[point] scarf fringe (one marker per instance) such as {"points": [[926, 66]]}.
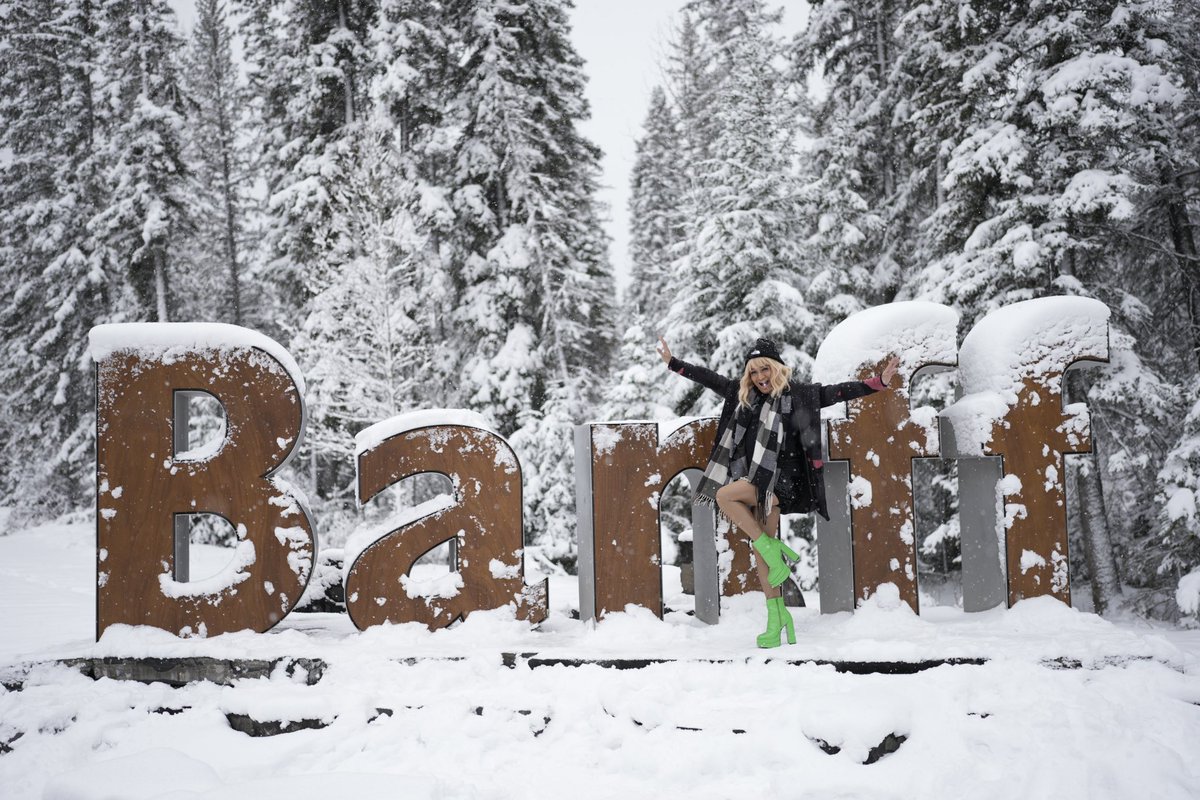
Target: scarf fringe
{"points": [[719, 516], [699, 499]]}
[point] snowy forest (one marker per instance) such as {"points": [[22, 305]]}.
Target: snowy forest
{"points": [[398, 192]]}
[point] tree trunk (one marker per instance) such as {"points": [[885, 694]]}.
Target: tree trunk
{"points": [[1093, 517], [1098, 550], [1185, 252], [348, 67], [501, 203], [883, 33], [231, 254], [160, 286]]}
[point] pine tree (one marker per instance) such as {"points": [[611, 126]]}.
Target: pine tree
{"points": [[413, 129], [220, 168], [842, 214], [94, 210], [59, 277], [740, 279], [309, 70], [1179, 523], [657, 191], [1174, 256], [531, 262], [657, 194], [360, 340], [1035, 191], [372, 337], [139, 101], [1041, 192], [691, 86], [703, 63], [854, 201]]}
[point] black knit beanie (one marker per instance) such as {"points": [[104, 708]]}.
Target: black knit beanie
{"points": [[764, 348]]}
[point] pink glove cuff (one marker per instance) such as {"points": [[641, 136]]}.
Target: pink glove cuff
{"points": [[876, 383]]}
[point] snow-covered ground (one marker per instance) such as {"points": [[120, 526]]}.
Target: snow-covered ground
{"points": [[723, 720]]}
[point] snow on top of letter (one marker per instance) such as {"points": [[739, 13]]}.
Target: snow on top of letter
{"points": [[371, 437], [1031, 339], [170, 341], [917, 331]]}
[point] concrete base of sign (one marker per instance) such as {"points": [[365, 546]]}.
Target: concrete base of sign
{"points": [[178, 672]]}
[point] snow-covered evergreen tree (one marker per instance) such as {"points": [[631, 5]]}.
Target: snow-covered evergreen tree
{"points": [[656, 208], [844, 226], [139, 101], [1039, 177], [697, 69], [740, 279], [853, 200], [697, 72], [1179, 522], [639, 388], [496, 163], [361, 341], [656, 211], [691, 87], [214, 285], [412, 130], [1176, 206], [1040, 193], [536, 314], [56, 273], [373, 338], [309, 69]]}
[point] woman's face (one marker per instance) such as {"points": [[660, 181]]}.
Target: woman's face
{"points": [[760, 376]]}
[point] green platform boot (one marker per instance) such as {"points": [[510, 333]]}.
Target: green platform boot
{"points": [[772, 551], [778, 618]]}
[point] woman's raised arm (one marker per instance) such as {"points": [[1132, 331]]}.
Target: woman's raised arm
{"points": [[705, 377], [839, 392], [664, 350]]}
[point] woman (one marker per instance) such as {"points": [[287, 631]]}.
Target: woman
{"points": [[767, 457]]}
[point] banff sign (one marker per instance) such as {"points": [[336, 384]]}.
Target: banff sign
{"points": [[1008, 428]]}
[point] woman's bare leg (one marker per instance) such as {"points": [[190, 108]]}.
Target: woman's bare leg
{"points": [[737, 501]]}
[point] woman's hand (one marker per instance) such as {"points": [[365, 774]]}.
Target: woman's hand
{"points": [[663, 350], [889, 371]]}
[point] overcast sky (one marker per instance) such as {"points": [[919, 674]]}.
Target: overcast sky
{"points": [[623, 43]]}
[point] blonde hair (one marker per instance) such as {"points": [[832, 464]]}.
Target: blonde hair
{"points": [[780, 373]]}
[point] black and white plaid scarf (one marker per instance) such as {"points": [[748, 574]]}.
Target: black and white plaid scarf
{"points": [[762, 469]]}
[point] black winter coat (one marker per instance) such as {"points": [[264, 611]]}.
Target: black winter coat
{"points": [[800, 485]]}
